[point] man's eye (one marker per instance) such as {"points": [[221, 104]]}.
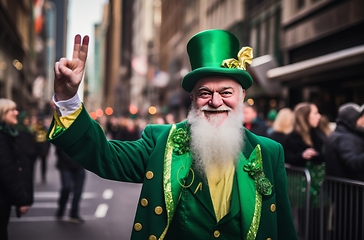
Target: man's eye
{"points": [[226, 93], [205, 94]]}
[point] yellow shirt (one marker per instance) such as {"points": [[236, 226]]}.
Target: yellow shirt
{"points": [[63, 122], [220, 189]]}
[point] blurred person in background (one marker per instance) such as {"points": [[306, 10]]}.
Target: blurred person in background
{"points": [[113, 127], [324, 125], [252, 122], [345, 146], [26, 138], [129, 130], [170, 118], [72, 176], [207, 177], [16, 185], [42, 146], [282, 126], [345, 159], [304, 147], [271, 117]]}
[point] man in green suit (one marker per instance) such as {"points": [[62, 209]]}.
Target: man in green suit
{"points": [[203, 178]]}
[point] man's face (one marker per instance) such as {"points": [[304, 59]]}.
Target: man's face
{"points": [[216, 96]]}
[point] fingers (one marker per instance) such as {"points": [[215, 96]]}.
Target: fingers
{"points": [[63, 68], [80, 51], [84, 48], [57, 68], [76, 46]]}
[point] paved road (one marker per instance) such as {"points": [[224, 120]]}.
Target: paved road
{"points": [[107, 206]]}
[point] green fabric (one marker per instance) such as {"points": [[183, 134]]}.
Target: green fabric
{"points": [[248, 198], [298, 186], [11, 131], [129, 161], [20, 126], [207, 50], [198, 203]]}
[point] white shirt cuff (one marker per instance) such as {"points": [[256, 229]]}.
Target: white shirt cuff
{"points": [[67, 107]]}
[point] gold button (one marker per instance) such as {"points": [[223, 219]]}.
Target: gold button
{"points": [[149, 175], [158, 210], [144, 202], [152, 237], [216, 234], [138, 227], [269, 239], [272, 207]]}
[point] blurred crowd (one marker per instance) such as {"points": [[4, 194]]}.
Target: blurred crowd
{"points": [[23, 143]]}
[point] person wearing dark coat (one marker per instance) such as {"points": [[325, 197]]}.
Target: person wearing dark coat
{"points": [[26, 138], [282, 126], [345, 159], [16, 185], [252, 122], [304, 147], [345, 146], [72, 180]]}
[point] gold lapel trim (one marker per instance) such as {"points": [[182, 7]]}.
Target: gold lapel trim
{"points": [[167, 182], [249, 196], [174, 174]]}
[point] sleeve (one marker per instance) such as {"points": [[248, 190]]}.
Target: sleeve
{"points": [[351, 153], [85, 142], [294, 148], [62, 123], [65, 114]]}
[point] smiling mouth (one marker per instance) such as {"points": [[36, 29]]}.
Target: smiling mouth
{"points": [[216, 112]]}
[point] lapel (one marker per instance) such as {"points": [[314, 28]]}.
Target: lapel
{"points": [[247, 192]]}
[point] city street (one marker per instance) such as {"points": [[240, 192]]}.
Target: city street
{"points": [[108, 208]]}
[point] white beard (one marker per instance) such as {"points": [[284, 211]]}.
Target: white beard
{"points": [[215, 144]]}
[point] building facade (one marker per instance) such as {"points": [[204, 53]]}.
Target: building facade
{"points": [[323, 53]]}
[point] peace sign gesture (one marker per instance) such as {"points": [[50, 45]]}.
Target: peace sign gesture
{"points": [[69, 73]]}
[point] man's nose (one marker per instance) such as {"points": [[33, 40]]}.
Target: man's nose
{"points": [[216, 100]]}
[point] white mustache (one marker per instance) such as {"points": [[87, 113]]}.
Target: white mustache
{"points": [[212, 109]]}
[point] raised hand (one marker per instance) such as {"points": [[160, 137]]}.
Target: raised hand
{"points": [[69, 73]]}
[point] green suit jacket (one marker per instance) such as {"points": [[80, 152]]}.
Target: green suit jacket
{"points": [[152, 161]]}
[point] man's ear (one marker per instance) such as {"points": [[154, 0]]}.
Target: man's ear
{"points": [[243, 95]]}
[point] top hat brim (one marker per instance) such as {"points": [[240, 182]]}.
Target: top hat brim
{"points": [[241, 76]]}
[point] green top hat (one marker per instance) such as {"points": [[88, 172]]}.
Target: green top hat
{"points": [[213, 53]]}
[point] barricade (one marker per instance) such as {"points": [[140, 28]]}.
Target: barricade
{"points": [[299, 186], [341, 210], [345, 209]]}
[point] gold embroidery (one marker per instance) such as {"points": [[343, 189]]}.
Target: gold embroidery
{"points": [[193, 178], [167, 181], [199, 187]]}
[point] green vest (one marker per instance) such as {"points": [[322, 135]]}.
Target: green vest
{"points": [[196, 201]]}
